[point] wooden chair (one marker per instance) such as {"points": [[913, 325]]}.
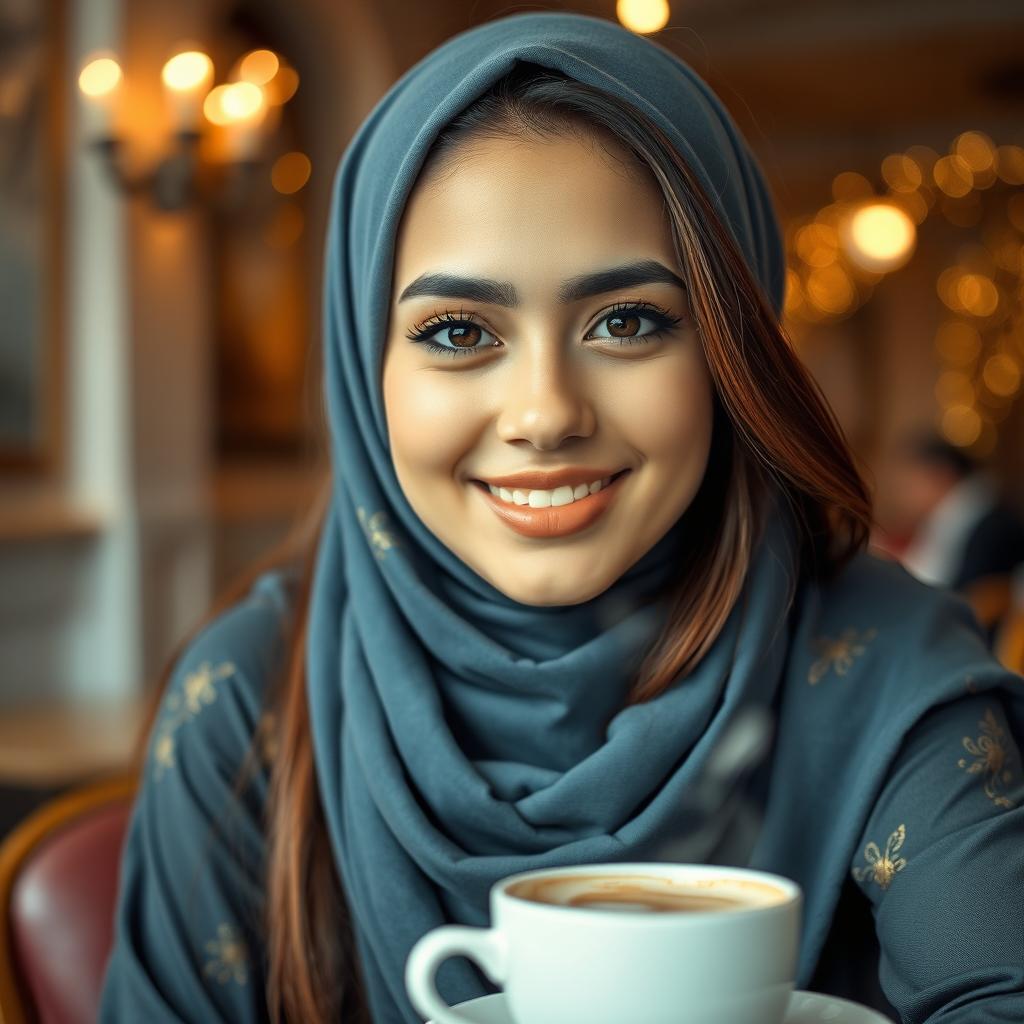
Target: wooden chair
{"points": [[58, 887]]}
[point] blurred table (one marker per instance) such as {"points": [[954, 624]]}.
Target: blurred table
{"points": [[46, 749]]}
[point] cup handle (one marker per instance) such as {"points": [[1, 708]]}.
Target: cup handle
{"points": [[486, 946]]}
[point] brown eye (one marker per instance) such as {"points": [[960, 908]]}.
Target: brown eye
{"points": [[465, 335], [632, 323], [623, 326]]}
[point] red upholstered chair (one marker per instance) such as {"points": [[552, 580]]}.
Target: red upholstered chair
{"points": [[58, 886]]}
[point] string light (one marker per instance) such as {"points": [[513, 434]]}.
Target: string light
{"points": [[837, 256]]}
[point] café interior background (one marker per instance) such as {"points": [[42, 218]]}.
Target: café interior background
{"points": [[159, 338]]}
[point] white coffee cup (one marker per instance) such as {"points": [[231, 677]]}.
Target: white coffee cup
{"points": [[601, 954]]}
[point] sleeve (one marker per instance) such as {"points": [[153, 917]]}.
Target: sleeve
{"points": [[187, 928], [941, 861]]}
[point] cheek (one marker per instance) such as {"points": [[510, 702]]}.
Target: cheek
{"points": [[428, 424], [667, 413]]}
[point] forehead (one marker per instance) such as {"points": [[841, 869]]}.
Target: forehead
{"points": [[509, 206]]}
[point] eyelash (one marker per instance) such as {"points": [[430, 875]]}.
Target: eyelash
{"points": [[662, 317]]}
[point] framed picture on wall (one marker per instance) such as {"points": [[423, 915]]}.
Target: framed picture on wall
{"points": [[32, 158]]}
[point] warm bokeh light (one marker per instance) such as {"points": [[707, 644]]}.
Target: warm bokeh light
{"points": [[282, 86], [839, 254], [643, 15], [849, 186], [817, 244], [258, 67], [913, 204], [977, 294], [946, 287], [290, 172], [234, 102], [100, 77], [901, 173], [961, 425], [1001, 375], [213, 106], [187, 70], [879, 236], [976, 149], [953, 175], [830, 289], [1010, 164]]}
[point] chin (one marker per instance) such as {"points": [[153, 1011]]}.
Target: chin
{"points": [[547, 595]]}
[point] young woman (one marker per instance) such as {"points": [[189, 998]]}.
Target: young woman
{"points": [[586, 509]]}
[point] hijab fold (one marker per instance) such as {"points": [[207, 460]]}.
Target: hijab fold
{"points": [[460, 736]]}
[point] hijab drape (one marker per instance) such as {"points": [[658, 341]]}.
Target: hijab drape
{"points": [[460, 736]]}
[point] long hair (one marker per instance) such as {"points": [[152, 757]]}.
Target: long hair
{"points": [[772, 429]]}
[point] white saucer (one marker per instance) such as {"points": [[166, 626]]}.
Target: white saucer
{"points": [[804, 1008]]}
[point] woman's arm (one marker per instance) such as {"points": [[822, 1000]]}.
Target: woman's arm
{"points": [[942, 862], [187, 924]]}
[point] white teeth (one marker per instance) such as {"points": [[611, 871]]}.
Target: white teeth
{"points": [[564, 495]]}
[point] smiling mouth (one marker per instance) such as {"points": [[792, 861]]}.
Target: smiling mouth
{"points": [[554, 520]]}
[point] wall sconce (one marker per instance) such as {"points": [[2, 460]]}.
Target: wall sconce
{"points": [[239, 114]]}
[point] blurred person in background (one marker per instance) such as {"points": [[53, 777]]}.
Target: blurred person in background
{"points": [[957, 529]]}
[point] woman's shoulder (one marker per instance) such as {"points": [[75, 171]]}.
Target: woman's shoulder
{"points": [[216, 699], [876, 620], [873, 586]]}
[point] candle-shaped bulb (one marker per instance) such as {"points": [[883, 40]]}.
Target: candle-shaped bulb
{"points": [[186, 77], [99, 82], [100, 77], [239, 108]]}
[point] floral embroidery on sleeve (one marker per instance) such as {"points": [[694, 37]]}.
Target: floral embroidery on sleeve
{"points": [[882, 867], [198, 690], [228, 956], [989, 756], [839, 653]]}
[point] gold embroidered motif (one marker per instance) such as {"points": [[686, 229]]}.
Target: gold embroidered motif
{"points": [[198, 690], [838, 654], [229, 957], [882, 867], [381, 540], [989, 755]]}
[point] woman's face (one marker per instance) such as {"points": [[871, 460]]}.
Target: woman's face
{"points": [[550, 381]]}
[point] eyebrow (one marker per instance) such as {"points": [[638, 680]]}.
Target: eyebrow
{"points": [[503, 293]]}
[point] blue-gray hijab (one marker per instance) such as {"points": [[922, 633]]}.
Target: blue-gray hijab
{"points": [[460, 736]]}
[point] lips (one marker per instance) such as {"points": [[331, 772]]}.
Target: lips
{"points": [[557, 521]]}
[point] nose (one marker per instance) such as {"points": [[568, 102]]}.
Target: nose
{"points": [[544, 397]]}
